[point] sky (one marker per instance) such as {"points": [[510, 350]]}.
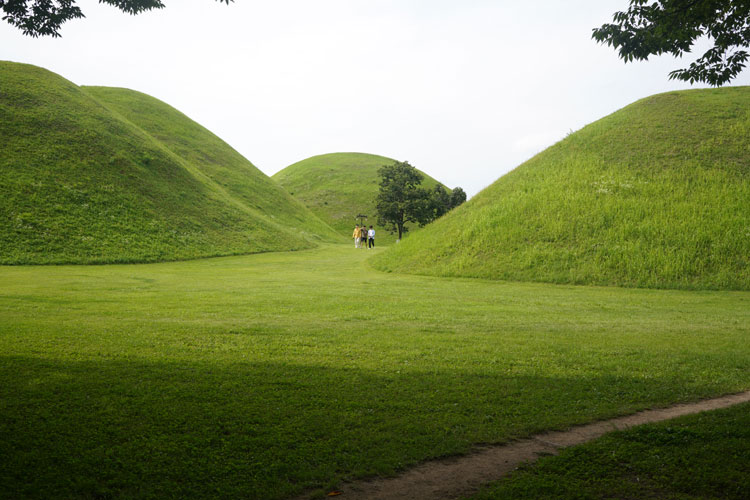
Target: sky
{"points": [[463, 90]]}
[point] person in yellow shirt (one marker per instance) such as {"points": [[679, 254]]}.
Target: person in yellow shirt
{"points": [[357, 236]]}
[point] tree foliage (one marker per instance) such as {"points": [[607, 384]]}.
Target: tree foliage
{"points": [[45, 17], [673, 26], [443, 201], [440, 200], [458, 196], [401, 198]]}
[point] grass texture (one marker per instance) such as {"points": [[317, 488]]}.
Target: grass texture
{"points": [[266, 375], [127, 179], [339, 186], [655, 195], [704, 456]]}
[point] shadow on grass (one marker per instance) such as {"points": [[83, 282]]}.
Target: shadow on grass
{"points": [[110, 429], [706, 455]]}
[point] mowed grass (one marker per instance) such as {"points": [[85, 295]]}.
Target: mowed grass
{"points": [[655, 195], [339, 186], [267, 375], [697, 456]]}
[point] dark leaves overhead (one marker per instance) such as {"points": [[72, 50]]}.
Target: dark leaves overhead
{"points": [[45, 17], [673, 26]]}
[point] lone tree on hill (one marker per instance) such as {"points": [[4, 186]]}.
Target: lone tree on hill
{"points": [[44, 17], [401, 198], [672, 26]]}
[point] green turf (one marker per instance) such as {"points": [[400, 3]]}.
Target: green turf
{"points": [[339, 186], [266, 375], [654, 195], [704, 456], [80, 183], [213, 158]]}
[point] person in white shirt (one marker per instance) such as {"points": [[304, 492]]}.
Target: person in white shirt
{"points": [[371, 238]]}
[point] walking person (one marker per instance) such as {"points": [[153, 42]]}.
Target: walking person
{"points": [[371, 238], [363, 236], [357, 236]]}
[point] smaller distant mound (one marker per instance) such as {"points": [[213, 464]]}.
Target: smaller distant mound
{"points": [[339, 186], [656, 195]]}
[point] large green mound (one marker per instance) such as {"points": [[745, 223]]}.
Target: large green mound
{"points": [[654, 195], [339, 186], [110, 175]]}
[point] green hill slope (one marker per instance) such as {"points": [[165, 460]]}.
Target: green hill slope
{"points": [[654, 195], [79, 183], [213, 157], [338, 186]]}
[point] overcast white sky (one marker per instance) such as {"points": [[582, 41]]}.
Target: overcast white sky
{"points": [[464, 90]]}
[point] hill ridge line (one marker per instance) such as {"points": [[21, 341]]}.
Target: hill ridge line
{"points": [[95, 175], [458, 477], [653, 195], [216, 188]]}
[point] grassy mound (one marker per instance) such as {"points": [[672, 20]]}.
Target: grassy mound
{"points": [[339, 186], [127, 179], [213, 157], [654, 195]]}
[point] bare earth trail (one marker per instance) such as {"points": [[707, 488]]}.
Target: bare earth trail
{"points": [[462, 476]]}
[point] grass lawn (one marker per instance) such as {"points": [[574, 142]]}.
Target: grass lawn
{"points": [[267, 375], [698, 456]]}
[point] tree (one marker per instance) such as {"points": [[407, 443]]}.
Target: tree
{"points": [[458, 196], [440, 199], [672, 26], [45, 17], [401, 199], [443, 201]]}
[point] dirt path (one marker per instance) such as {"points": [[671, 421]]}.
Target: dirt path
{"points": [[461, 476]]}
